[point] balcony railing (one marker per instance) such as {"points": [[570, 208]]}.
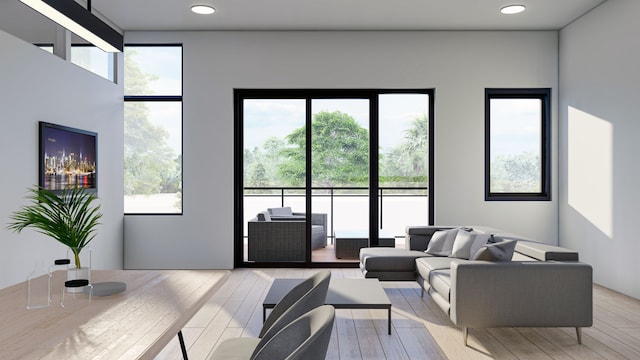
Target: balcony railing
{"points": [[346, 207]]}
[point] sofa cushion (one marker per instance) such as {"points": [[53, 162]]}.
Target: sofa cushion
{"points": [[441, 243], [281, 211], [440, 301], [440, 281], [427, 266], [389, 259], [500, 251], [480, 241], [467, 243]]}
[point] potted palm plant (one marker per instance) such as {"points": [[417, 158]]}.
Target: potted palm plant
{"points": [[70, 217]]}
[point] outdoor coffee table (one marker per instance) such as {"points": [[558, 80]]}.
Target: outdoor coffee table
{"points": [[342, 294], [349, 242]]}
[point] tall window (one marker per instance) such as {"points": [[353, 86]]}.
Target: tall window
{"points": [[153, 129], [517, 144]]}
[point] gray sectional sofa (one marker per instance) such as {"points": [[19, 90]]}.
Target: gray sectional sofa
{"points": [[278, 234], [491, 279]]}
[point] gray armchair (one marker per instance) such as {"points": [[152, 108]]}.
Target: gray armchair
{"points": [[306, 338], [279, 235]]}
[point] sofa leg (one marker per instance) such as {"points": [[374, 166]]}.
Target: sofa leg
{"points": [[465, 334], [579, 335], [421, 291]]}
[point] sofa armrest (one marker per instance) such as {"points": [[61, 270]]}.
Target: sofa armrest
{"points": [[319, 219], [316, 219], [530, 293]]}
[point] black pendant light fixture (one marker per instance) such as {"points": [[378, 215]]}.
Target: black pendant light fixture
{"points": [[75, 18]]}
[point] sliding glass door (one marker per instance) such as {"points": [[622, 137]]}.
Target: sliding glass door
{"points": [[325, 172], [404, 166], [340, 165], [273, 176]]}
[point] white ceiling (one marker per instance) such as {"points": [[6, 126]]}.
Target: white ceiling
{"points": [[318, 14], [342, 14]]}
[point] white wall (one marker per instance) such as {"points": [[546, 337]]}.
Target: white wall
{"points": [[37, 86], [599, 127], [459, 65]]}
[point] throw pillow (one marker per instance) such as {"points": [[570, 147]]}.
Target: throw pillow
{"points": [[462, 244], [500, 251], [467, 243], [441, 242], [281, 211], [480, 241]]}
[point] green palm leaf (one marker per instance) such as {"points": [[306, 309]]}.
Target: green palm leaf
{"points": [[69, 218]]}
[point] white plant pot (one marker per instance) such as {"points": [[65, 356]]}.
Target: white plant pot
{"points": [[84, 273]]}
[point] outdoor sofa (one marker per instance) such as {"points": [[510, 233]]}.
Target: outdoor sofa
{"points": [[482, 277], [278, 234]]}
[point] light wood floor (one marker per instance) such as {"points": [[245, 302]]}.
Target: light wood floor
{"points": [[420, 329]]}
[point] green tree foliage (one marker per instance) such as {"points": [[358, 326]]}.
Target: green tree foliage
{"points": [[261, 164], [516, 173], [150, 165], [258, 175], [339, 149], [340, 156], [407, 164], [70, 218]]}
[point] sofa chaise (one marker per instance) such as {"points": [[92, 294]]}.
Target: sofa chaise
{"points": [[278, 234], [490, 278]]}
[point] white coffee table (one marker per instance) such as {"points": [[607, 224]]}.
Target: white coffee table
{"points": [[342, 294]]}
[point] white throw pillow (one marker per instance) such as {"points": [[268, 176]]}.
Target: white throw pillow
{"points": [[441, 242], [462, 245], [467, 243], [500, 251], [480, 241]]}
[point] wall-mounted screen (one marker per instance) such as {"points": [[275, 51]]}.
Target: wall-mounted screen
{"points": [[68, 158]]}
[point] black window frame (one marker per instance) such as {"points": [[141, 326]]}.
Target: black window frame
{"points": [[544, 95], [164, 98]]}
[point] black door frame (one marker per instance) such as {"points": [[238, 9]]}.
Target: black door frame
{"points": [[308, 95]]}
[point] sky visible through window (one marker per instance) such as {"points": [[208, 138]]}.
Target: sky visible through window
{"points": [[164, 62], [515, 126]]}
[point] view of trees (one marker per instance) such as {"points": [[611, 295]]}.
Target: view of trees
{"points": [[408, 163], [151, 166], [340, 149], [516, 173]]}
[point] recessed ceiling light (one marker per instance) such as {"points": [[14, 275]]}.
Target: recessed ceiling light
{"points": [[512, 9], [203, 9]]}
